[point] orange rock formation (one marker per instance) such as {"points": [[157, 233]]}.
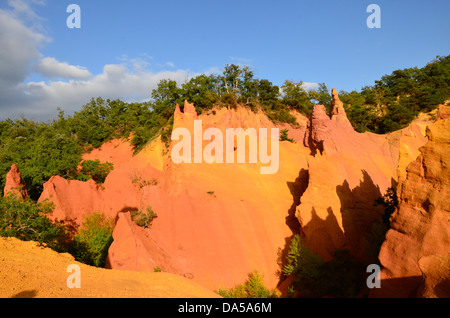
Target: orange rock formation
{"points": [[218, 222], [14, 183], [419, 236]]}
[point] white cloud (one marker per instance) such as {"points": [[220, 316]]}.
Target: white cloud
{"points": [[19, 47], [308, 86], [69, 86], [115, 82], [240, 60], [139, 64], [22, 8], [51, 68]]}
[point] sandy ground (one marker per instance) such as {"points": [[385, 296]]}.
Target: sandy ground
{"points": [[29, 270]]}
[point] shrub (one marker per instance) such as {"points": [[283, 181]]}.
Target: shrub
{"points": [[95, 170], [252, 288], [302, 262], [140, 183], [340, 277], [26, 220], [377, 233], [91, 243], [144, 219], [284, 135], [282, 116]]}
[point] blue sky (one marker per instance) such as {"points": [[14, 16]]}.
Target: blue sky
{"points": [[124, 48]]}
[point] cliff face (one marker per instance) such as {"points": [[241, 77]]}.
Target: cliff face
{"points": [[419, 238], [347, 172], [218, 222]]}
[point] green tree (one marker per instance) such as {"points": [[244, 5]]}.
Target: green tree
{"points": [[253, 287], [93, 169], [91, 243], [267, 92], [201, 91], [237, 84], [27, 221], [295, 96], [341, 276], [323, 95], [166, 96], [91, 125]]}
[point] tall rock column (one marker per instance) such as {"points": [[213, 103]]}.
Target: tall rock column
{"points": [[420, 228], [14, 184]]}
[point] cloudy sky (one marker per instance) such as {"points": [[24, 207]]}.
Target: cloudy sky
{"points": [[124, 48]]}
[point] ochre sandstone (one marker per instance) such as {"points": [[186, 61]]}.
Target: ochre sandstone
{"points": [[218, 222]]}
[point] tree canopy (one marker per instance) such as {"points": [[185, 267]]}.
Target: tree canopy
{"points": [[45, 149]]}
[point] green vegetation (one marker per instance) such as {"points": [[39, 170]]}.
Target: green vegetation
{"points": [[157, 269], [377, 233], [144, 219], [93, 169], [253, 287], [397, 98], [140, 183], [55, 148], [91, 243], [27, 221], [284, 135], [340, 277]]}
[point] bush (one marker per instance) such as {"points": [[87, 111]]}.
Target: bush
{"points": [[252, 288], [26, 220], [302, 262], [144, 219], [91, 243], [284, 135], [93, 169], [340, 277], [377, 233], [281, 116]]}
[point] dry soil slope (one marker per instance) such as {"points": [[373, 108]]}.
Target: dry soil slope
{"points": [[29, 270]]}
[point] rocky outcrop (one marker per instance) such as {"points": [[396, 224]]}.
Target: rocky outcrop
{"points": [[435, 276], [75, 199], [134, 249], [14, 184], [443, 112], [337, 111], [347, 172], [329, 134], [420, 227], [218, 222]]}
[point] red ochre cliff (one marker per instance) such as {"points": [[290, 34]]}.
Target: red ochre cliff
{"points": [[218, 222]]}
